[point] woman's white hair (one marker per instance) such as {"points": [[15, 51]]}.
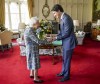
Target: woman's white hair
{"points": [[33, 21]]}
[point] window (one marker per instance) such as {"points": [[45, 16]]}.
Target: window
{"points": [[16, 11]]}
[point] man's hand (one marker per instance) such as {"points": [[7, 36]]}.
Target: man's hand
{"points": [[51, 37], [54, 38]]}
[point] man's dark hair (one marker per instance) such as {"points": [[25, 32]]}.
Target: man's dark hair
{"points": [[57, 8]]}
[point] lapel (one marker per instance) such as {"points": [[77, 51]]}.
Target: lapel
{"points": [[62, 23]]}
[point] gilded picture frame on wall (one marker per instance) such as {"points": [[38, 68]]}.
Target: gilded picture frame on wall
{"points": [[45, 9], [96, 10]]}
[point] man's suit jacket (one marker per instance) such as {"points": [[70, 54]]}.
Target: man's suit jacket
{"points": [[66, 33]]}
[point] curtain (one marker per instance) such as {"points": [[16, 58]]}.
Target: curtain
{"points": [[2, 12], [30, 7]]}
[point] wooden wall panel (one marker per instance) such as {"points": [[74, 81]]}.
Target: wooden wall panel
{"points": [[77, 9]]}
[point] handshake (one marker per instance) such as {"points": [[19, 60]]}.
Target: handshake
{"points": [[51, 37]]}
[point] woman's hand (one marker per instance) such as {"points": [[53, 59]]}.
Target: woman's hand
{"points": [[49, 39]]}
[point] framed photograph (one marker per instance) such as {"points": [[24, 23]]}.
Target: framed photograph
{"points": [[96, 10]]}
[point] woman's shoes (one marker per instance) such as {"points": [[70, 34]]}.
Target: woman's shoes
{"points": [[33, 76], [38, 81]]}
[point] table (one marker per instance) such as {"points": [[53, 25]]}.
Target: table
{"points": [[51, 46]]}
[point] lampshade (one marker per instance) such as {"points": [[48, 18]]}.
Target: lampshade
{"points": [[21, 26], [76, 22], [98, 22]]}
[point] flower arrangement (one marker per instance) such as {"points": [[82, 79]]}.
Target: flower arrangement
{"points": [[45, 28], [2, 28], [80, 34]]}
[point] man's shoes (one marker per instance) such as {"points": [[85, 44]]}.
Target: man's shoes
{"points": [[64, 79], [59, 75], [38, 81]]}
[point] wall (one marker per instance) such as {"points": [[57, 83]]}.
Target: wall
{"points": [[38, 5], [77, 9]]}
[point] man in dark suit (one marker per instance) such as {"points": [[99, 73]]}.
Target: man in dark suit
{"points": [[68, 38]]}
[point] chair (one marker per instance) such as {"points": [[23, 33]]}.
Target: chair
{"points": [[5, 39]]}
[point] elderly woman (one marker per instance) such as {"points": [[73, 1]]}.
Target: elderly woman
{"points": [[32, 50]]}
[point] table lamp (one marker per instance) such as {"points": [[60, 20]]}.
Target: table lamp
{"points": [[76, 23], [21, 28]]}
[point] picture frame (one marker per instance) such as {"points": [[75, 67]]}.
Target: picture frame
{"points": [[46, 9]]}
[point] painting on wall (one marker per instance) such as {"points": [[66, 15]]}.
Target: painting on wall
{"points": [[96, 10]]}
